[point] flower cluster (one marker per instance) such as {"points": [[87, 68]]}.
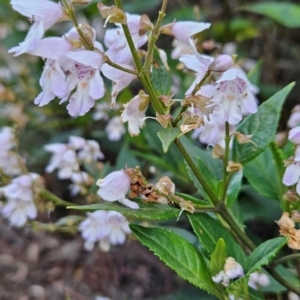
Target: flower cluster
{"points": [[67, 159], [233, 270], [104, 227], [20, 194], [11, 163]]}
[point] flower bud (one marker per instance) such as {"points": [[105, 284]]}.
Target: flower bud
{"points": [[166, 185], [291, 196], [294, 135], [233, 269], [218, 152], [233, 166], [112, 14], [221, 63], [163, 120], [88, 32], [145, 25]]}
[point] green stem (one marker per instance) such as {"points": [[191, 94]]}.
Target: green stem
{"points": [[199, 176], [155, 34], [53, 198], [196, 88], [116, 66], [242, 237], [70, 10], [142, 74], [283, 281], [226, 176], [286, 258]]}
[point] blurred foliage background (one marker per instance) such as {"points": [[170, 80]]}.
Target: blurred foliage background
{"points": [[265, 37]]}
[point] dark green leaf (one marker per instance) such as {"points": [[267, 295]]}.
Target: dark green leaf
{"points": [[178, 254], [160, 75], [263, 254], [285, 13], [167, 137], [234, 188], [209, 231], [265, 171], [150, 211], [261, 125]]}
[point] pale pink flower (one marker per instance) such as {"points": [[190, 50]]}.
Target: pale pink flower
{"points": [[230, 97], [53, 83], [114, 187], [115, 40], [43, 13], [115, 129], [294, 135], [63, 158], [120, 79], [291, 175], [85, 77], [133, 115], [184, 31]]}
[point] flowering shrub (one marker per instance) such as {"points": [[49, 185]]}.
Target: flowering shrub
{"points": [[219, 108]]}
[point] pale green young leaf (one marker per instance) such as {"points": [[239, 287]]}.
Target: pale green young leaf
{"points": [[168, 136], [234, 188], [218, 257]]}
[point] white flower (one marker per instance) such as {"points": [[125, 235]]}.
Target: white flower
{"points": [[18, 210], [115, 129], [114, 187], [80, 181], [105, 227], [294, 135], [43, 13], [7, 139], [11, 163], [94, 228], [118, 228], [256, 280], [64, 159], [88, 150], [294, 119], [232, 270], [101, 111], [21, 187], [134, 115]]}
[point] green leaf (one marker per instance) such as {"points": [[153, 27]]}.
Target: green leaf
{"points": [[209, 231], [265, 171], [178, 254], [218, 257], [126, 157], [262, 125], [234, 188], [263, 254], [160, 75], [240, 290], [150, 211], [285, 13], [167, 137]]}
